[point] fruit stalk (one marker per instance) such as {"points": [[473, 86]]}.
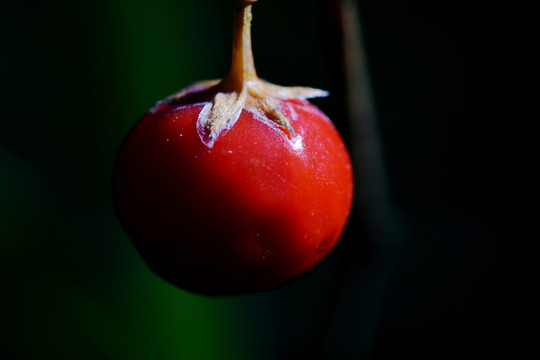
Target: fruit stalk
{"points": [[242, 64]]}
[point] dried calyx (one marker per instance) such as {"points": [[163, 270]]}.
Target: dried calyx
{"points": [[241, 89]]}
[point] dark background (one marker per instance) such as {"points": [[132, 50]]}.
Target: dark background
{"points": [[455, 88]]}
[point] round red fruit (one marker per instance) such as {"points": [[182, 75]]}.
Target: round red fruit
{"points": [[257, 209], [234, 186]]}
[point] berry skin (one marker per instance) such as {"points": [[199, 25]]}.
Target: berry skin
{"points": [[248, 214], [234, 186]]}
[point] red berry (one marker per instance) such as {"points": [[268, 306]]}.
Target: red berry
{"points": [[219, 206], [248, 214]]}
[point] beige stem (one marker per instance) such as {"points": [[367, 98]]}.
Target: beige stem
{"points": [[242, 65]]}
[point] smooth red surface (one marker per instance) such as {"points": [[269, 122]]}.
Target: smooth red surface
{"points": [[254, 211]]}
